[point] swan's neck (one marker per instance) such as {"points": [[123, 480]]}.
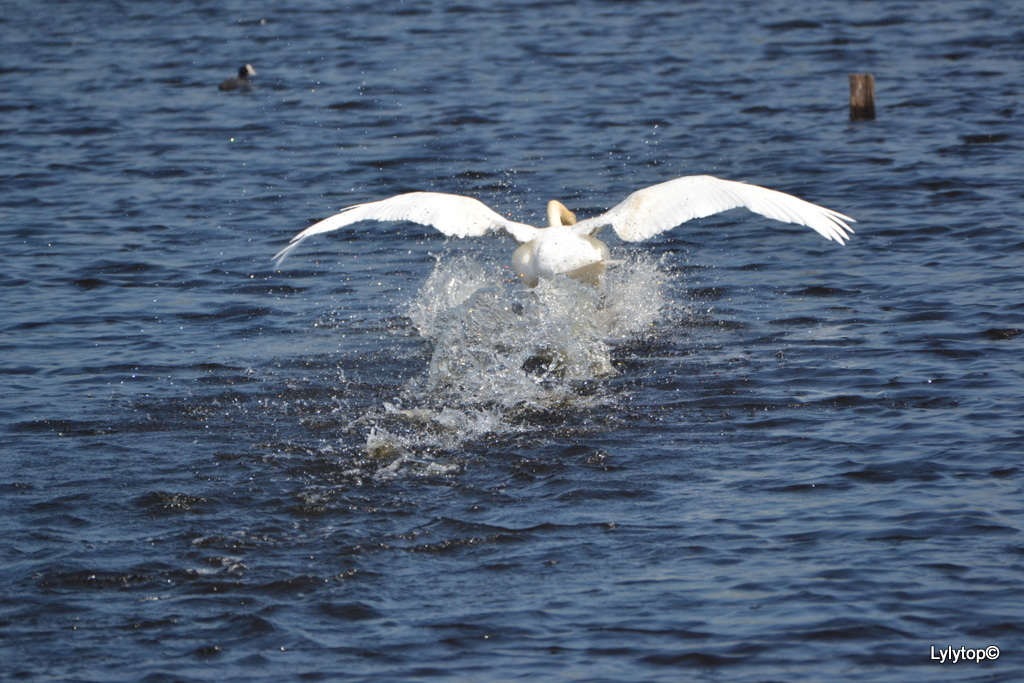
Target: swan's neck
{"points": [[559, 216]]}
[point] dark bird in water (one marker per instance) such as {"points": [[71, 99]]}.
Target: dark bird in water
{"points": [[239, 82]]}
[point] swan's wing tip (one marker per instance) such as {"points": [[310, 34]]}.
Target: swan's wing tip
{"points": [[839, 229], [280, 256]]}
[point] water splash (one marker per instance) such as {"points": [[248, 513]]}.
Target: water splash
{"points": [[501, 350]]}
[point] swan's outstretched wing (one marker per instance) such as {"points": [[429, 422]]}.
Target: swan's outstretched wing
{"points": [[454, 215], [661, 207]]}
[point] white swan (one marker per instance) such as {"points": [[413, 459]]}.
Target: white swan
{"points": [[571, 247]]}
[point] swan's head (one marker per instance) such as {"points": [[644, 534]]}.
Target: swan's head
{"points": [[558, 215]]}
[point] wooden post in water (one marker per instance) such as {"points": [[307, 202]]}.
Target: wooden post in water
{"points": [[862, 97]]}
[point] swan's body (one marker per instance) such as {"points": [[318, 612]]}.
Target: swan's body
{"points": [[559, 249], [240, 81], [572, 248]]}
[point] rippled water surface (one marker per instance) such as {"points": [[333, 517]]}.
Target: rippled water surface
{"points": [[753, 455]]}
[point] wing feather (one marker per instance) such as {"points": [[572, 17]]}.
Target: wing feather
{"points": [[653, 210], [453, 215]]}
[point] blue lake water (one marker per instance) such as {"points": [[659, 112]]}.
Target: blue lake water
{"points": [[756, 455]]}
